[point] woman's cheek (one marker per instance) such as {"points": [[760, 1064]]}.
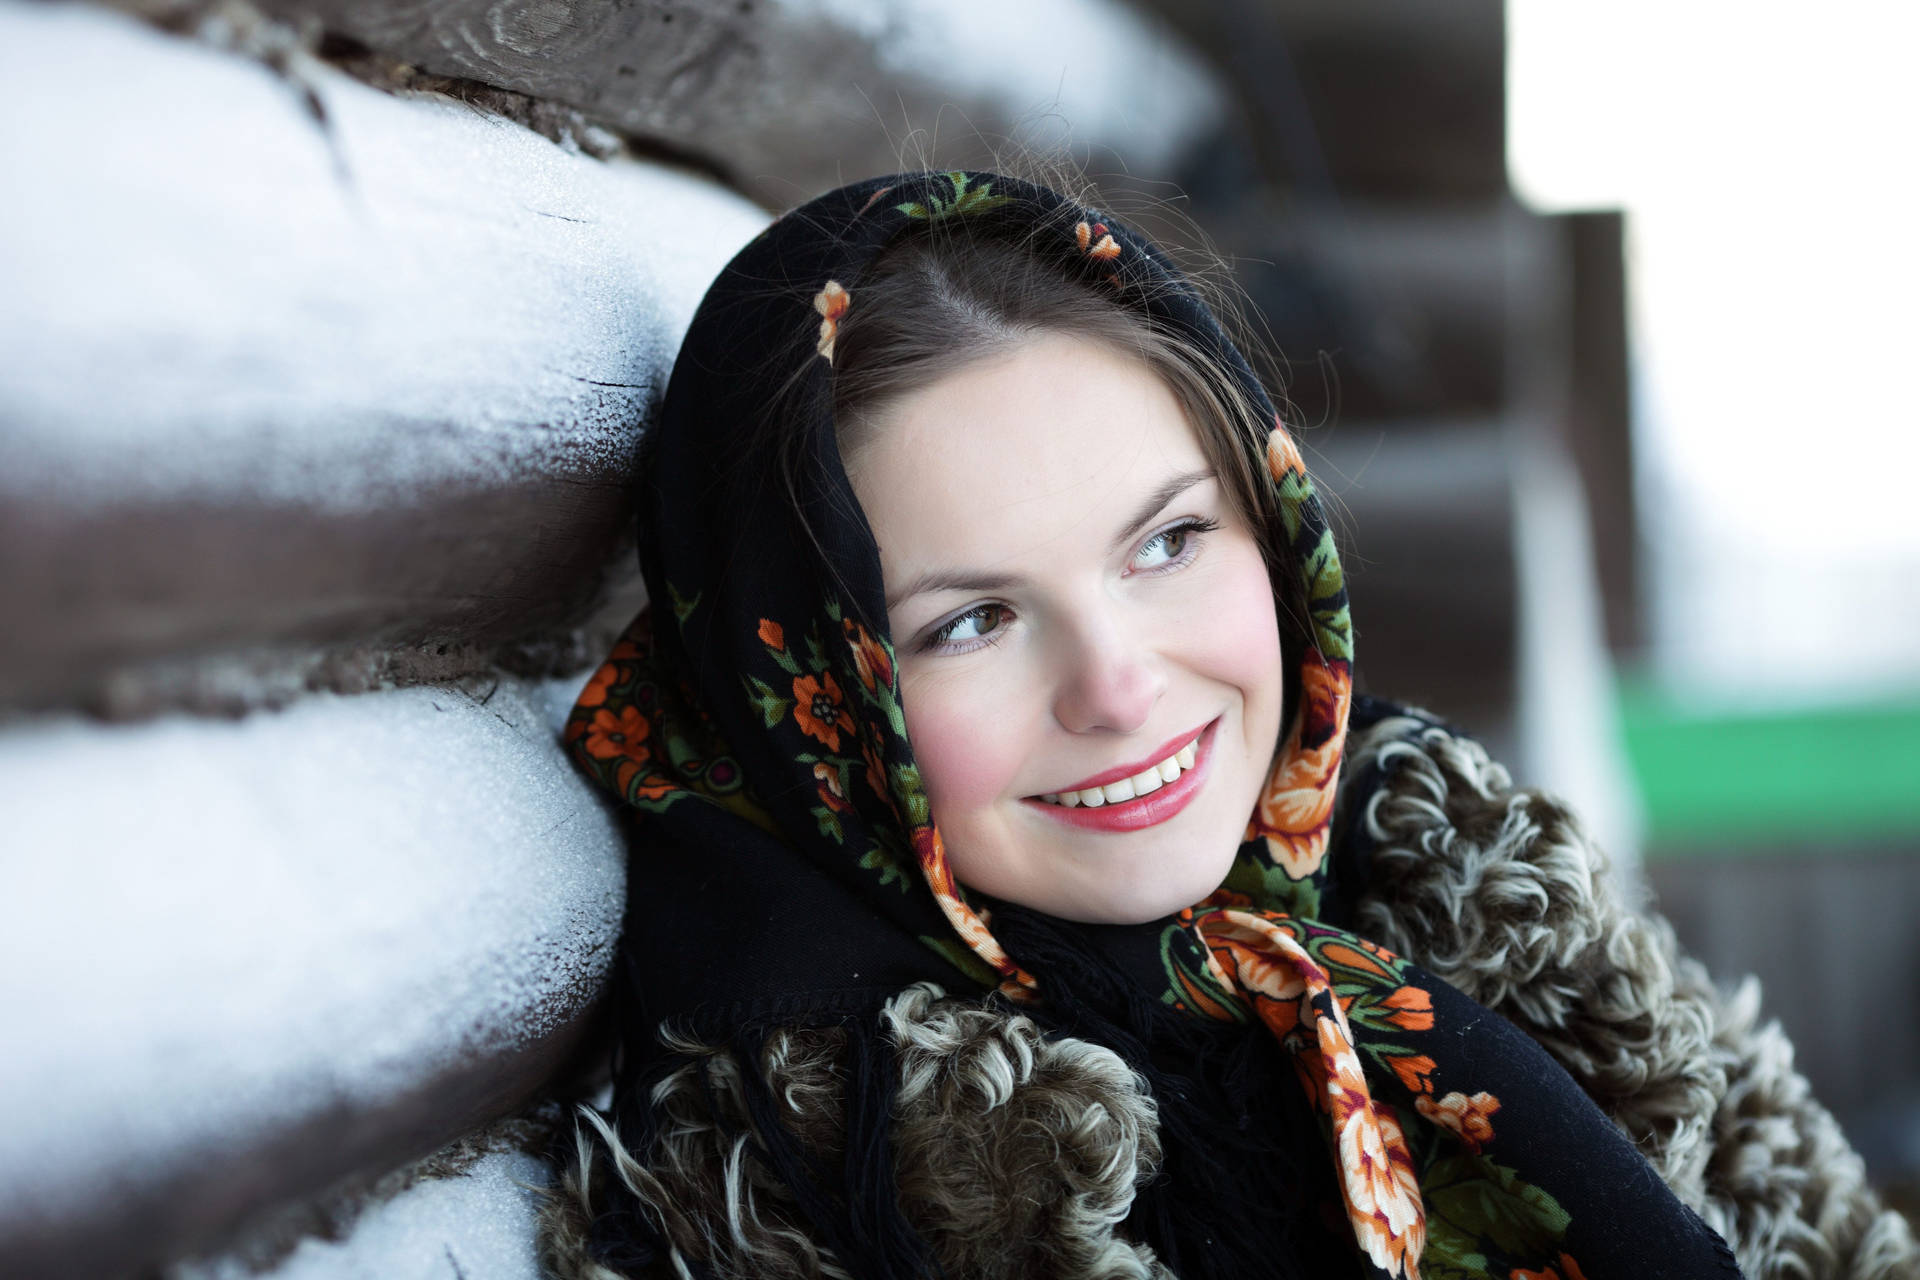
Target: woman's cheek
{"points": [[1242, 638], [952, 725], [1240, 645]]}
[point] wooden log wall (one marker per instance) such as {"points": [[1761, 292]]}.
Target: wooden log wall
{"points": [[786, 98], [318, 410], [318, 413]]}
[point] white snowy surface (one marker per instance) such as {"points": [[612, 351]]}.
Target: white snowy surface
{"points": [[1091, 75], [479, 1225], [202, 297], [237, 958]]}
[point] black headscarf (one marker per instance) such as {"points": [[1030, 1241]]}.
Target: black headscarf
{"points": [[787, 871]]}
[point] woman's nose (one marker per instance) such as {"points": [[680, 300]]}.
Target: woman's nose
{"points": [[1107, 682]]}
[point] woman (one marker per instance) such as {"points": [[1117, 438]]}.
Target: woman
{"points": [[987, 911]]}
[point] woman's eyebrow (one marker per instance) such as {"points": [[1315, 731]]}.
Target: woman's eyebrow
{"points": [[976, 580], [951, 580], [1159, 498]]}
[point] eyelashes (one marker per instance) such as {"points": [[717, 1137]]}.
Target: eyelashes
{"points": [[986, 624], [1175, 538], [993, 614]]}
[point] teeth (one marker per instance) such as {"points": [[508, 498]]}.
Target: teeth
{"points": [[1147, 780]]}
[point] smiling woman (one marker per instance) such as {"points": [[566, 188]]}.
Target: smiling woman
{"points": [[989, 916], [1054, 554]]}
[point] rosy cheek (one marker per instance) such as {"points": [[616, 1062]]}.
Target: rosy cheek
{"points": [[1240, 645], [959, 744], [1244, 638]]}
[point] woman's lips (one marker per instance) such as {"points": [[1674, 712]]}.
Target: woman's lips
{"points": [[1142, 811], [1118, 772]]}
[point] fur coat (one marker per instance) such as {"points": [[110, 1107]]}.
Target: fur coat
{"points": [[1018, 1154]]}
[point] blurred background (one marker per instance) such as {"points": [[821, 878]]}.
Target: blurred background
{"points": [[1768, 698], [327, 332]]}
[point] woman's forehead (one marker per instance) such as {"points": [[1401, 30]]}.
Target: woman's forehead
{"points": [[1049, 448]]}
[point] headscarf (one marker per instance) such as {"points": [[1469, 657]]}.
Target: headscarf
{"points": [[787, 869]]}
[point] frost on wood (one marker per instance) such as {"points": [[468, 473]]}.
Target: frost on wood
{"points": [[790, 97], [247, 958], [478, 1222], [479, 1225], [265, 385], [463, 300]]}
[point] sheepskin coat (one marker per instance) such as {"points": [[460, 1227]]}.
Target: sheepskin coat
{"points": [[1018, 1154]]}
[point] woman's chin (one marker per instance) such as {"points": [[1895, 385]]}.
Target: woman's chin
{"points": [[1135, 904]]}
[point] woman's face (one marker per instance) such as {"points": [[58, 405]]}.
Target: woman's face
{"points": [[1089, 658]]}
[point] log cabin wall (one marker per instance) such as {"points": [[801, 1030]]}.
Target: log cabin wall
{"points": [[329, 331], [318, 410]]}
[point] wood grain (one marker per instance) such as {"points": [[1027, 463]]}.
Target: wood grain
{"points": [[787, 97]]}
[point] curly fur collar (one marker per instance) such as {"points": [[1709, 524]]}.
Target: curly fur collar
{"points": [[1018, 1155]]}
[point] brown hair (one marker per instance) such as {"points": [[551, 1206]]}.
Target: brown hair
{"points": [[933, 303]]}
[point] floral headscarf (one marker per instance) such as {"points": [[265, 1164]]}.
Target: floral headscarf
{"points": [[787, 868]]}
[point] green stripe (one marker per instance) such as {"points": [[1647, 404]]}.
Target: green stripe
{"points": [[1727, 781]]}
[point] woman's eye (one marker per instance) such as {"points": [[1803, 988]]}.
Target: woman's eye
{"points": [[974, 624], [1169, 546], [1162, 548]]}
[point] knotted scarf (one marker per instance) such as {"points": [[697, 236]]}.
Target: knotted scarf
{"points": [[786, 868]]}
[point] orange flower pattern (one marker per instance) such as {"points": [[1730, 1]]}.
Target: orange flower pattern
{"points": [[816, 701], [1264, 960], [870, 657], [1380, 1187], [625, 734], [1415, 1071], [966, 922], [831, 302], [876, 772], [1283, 455], [595, 694], [1315, 988], [1096, 241], [1468, 1118], [1296, 806], [820, 709], [826, 781], [1412, 1009], [620, 734], [1563, 1268]]}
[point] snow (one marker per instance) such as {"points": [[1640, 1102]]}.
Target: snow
{"points": [[220, 934], [1076, 73], [216, 301], [243, 957], [479, 1225]]}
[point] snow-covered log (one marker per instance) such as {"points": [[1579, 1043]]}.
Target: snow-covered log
{"points": [[244, 959], [274, 389], [310, 389], [419, 1223], [789, 97]]}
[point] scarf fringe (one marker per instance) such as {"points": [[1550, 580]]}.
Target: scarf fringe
{"points": [[855, 1207], [1230, 1200]]}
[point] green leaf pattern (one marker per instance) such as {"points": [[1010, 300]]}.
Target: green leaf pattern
{"points": [[970, 196]]}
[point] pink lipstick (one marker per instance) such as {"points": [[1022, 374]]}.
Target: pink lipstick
{"points": [[1142, 811]]}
